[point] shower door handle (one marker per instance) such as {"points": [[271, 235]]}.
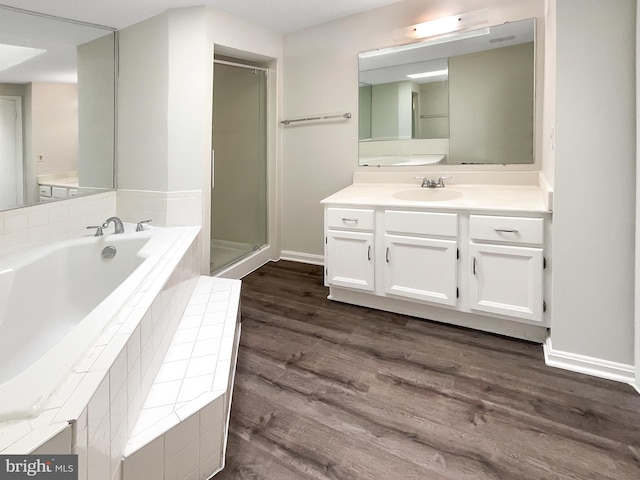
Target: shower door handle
{"points": [[213, 163]]}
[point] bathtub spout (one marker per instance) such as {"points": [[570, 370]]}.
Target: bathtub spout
{"points": [[117, 222]]}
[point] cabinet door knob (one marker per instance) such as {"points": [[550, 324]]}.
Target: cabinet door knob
{"points": [[474, 265], [387, 255], [345, 219], [506, 230], [369, 253]]}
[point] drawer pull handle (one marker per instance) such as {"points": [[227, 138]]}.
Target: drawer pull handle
{"points": [[387, 255], [345, 219], [506, 230], [369, 253], [474, 265]]}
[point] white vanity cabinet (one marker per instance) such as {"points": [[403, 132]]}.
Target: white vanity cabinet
{"points": [[349, 248], [420, 255], [467, 255], [506, 266]]}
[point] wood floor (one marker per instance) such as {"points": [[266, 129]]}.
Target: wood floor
{"points": [[332, 391]]}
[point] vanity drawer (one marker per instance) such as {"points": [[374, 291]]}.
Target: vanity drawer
{"points": [[421, 223], [58, 192], [45, 191], [506, 229], [351, 218]]}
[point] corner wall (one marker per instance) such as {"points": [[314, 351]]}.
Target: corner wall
{"points": [[162, 124], [594, 204]]}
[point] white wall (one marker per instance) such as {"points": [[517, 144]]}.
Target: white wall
{"points": [[96, 94], [189, 110], [54, 124], [143, 87], [637, 237], [549, 101], [321, 75], [593, 238]]}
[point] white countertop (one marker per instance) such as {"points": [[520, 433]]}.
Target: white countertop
{"points": [[69, 182], [516, 198]]}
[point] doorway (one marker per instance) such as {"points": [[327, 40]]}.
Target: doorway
{"points": [[11, 166], [239, 180]]}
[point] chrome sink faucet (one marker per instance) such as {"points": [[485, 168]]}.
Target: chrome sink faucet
{"points": [[430, 183], [119, 228]]}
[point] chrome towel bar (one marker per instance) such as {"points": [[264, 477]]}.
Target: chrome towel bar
{"points": [[346, 115]]}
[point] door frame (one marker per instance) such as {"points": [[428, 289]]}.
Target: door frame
{"points": [[271, 250], [19, 157]]}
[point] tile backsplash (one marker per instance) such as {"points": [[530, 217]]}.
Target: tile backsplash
{"points": [[27, 227]]}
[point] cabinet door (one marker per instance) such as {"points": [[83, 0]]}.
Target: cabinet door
{"points": [[421, 268], [350, 259], [506, 280]]}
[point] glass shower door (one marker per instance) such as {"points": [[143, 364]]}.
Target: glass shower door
{"points": [[239, 194]]}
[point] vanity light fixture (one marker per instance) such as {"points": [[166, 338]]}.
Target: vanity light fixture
{"points": [[11, 55], [425, 43], [443, 25], [434, 73]]}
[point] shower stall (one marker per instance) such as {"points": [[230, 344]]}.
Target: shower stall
{"points": [[239, 183]]}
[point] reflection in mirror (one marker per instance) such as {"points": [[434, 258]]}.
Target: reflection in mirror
{"points": [[467, 98], [57, 108]]}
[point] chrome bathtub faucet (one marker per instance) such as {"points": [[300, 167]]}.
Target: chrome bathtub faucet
{"points": [[139, 226], [98, 230], [117, 222]]}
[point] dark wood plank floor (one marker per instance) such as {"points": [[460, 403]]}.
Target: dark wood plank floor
{"points": [[332, 391]]}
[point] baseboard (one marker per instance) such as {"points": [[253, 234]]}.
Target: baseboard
{"points": [[302, 257], [248, 264], [618, 372]]}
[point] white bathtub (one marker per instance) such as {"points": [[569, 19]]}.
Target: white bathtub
{"points": [[54, 303]]}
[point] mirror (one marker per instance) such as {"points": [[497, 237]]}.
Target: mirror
{"points": [[57, 108], [463, 99]]}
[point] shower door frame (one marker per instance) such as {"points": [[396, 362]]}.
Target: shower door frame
{"points": [[270, 250]]}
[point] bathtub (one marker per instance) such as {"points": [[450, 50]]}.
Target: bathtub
{"points": [[56, 300]]}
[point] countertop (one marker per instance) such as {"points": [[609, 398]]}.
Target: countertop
{"points": [[69, 182], [516, 198]]}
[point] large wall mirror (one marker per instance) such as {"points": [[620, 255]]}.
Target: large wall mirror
{"points": [[57, 108], [465, 99]]}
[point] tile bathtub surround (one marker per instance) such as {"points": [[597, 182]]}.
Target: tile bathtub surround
{"points": [[191, 392], [174, 209], [132, 361], [27, 227], [103, 398], [189, 449]]}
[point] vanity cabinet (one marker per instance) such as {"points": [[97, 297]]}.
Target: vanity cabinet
{"points": [[420, 255], [468, 255], [506, 267], [482, 269], [349, 248]]}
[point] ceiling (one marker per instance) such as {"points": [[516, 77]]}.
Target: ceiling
{"points": [[283, 16], [60, 39]]}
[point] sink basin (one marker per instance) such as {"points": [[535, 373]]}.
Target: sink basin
{"points": [[427, 194]]}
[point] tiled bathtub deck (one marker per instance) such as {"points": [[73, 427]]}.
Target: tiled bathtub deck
{"points": [[181, 430]]}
